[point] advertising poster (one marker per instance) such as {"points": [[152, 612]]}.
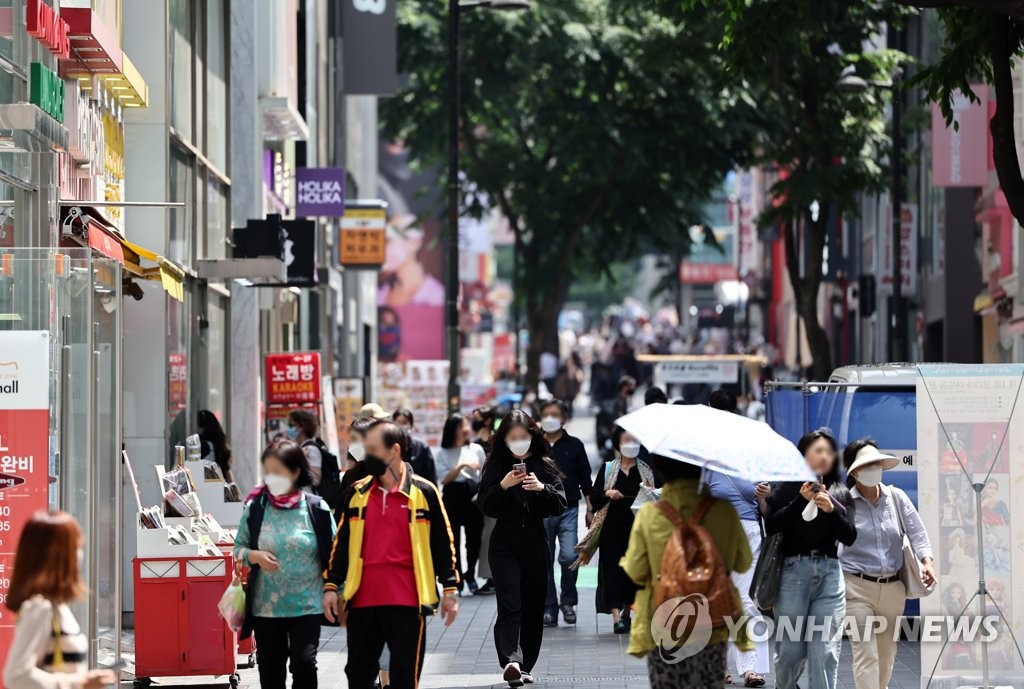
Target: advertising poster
{"points": [[348, 399], [24, 449], [968, 434], [422, 386], [293, 378], [410, 288]]}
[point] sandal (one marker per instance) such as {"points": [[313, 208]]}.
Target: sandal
{"points": [[752, 679], [728, 678]]}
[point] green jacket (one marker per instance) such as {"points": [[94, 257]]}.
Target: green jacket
{"points": [[651, 531]]}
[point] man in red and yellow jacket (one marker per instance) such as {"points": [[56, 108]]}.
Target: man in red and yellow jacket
{"points": [[394, 545]]}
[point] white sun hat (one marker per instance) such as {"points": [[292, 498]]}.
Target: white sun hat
{"points": [[869, 454]]}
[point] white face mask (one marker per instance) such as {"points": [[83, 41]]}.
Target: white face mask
{"points": [[629, 450], [551, 424], [870, 475], [357, 451], [277, 485], [519, 447]]}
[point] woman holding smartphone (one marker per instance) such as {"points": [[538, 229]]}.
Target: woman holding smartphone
{"points": [[812, 518], [520, 486]]}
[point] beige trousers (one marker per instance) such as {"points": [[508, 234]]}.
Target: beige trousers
{"points": [[875, 652]]}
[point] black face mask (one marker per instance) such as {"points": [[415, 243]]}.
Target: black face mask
{"points": [[477, 426], [375, 466]]}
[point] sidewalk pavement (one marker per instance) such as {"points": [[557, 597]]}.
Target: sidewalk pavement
{"points": [[585, 656]]}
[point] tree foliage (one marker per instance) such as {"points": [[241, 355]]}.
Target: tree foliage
{"points": [[983, 40], [598, 128], [828, 145]]}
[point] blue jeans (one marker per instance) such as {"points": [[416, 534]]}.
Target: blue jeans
{"points": [[565, 528], [809, 610]]}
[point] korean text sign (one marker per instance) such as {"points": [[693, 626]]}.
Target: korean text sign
{"points": [[24, 449], [293, 378]]}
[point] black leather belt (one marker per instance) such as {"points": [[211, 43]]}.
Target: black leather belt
{"points": [[876, 580]]}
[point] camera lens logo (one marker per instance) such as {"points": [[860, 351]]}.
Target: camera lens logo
{"points": [[681, 627]]}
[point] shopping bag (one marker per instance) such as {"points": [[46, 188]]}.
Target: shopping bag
{"points": [[232, 604], [910, 573], [646, 495], [765, 585]]}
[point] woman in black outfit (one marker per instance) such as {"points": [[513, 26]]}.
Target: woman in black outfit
{"points": [[213, 441], [617, 485], [519, 501], [812, 518]]}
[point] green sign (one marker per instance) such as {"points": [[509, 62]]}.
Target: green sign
{"points": [[46, 90]]}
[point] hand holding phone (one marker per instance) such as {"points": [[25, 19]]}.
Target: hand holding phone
{"points": [[520, 467]]}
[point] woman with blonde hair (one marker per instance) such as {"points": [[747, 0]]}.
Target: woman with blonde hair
{"points": [[50, 650]]}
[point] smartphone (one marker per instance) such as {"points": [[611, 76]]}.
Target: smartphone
{"points": [[816, 487], [521, 467]]}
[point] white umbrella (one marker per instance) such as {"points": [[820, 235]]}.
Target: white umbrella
{"points": [[727, 443]]}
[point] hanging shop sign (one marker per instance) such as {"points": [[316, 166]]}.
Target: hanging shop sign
{"points": [[300, 251], [47, 27], [683, 372], [958, 158], [908, 251], [348, 399], [24, 449], [320, 192], [369, 47], [293, 378], [46, 90], [363, 234]]}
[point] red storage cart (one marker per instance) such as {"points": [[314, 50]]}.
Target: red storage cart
{"points": [[178, 629]]}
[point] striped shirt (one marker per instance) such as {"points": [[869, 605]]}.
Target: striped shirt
{"points": [[33, 661]]}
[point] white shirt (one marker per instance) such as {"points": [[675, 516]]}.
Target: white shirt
{"points": [[446, 459], [30, 661], [548, 365]]}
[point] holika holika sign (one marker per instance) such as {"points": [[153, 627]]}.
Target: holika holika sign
{"points": [[320, 192]]}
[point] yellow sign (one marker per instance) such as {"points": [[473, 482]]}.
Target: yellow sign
{"points": [[362, 237]]}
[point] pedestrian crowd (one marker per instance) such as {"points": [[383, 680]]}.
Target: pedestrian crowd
{"points": [[393, 533]]}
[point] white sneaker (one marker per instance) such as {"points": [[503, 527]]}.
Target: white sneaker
{"points": [[527, 678], [513, 675]]}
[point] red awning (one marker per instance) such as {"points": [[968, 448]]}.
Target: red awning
{"points": [[84, 226], [94, 49]]}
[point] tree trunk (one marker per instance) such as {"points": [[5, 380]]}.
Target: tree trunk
{"points": [[805, 288], [1004, 146], [542, 312]]}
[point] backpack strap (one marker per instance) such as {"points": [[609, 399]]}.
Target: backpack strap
{"points": [[670, 512], [702, 509]]}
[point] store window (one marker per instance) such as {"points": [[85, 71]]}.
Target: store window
{"points": [[217, 214], [182, 78], [217, 352], [216, 85], [177, 374], [182, 188]]}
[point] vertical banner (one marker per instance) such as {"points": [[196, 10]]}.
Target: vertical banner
{"points": [[970, 434], [908, 250], [369, 47], [960, 151], [24, 449]]}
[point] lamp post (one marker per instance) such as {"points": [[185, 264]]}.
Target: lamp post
{"points": [[452, 273], [850, 82]]}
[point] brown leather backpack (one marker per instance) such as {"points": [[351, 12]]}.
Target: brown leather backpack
{"points": [[691, 564]]}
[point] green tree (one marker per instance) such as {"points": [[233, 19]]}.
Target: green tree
{"points": [[983, 40], [596, 128], [827, 144]]}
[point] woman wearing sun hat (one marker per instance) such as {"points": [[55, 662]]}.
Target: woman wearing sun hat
{"points": [[872, 564]]}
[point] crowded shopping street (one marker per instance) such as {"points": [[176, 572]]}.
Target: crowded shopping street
{"points": [[416, 344]]}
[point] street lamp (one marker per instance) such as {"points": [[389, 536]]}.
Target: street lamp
{"points": [[452, 274], [851, 82]]}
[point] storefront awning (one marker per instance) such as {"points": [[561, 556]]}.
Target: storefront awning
{"points": [[171, 276]]}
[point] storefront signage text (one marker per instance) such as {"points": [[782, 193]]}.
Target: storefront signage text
{"points": [[46, 26], [320, 192], [362, 238], [24, 448], [293, 378], [46, 90]]}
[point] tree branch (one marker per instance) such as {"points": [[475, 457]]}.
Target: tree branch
{"points": [[1010, 8], [494, 187], [1004, 148]]}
